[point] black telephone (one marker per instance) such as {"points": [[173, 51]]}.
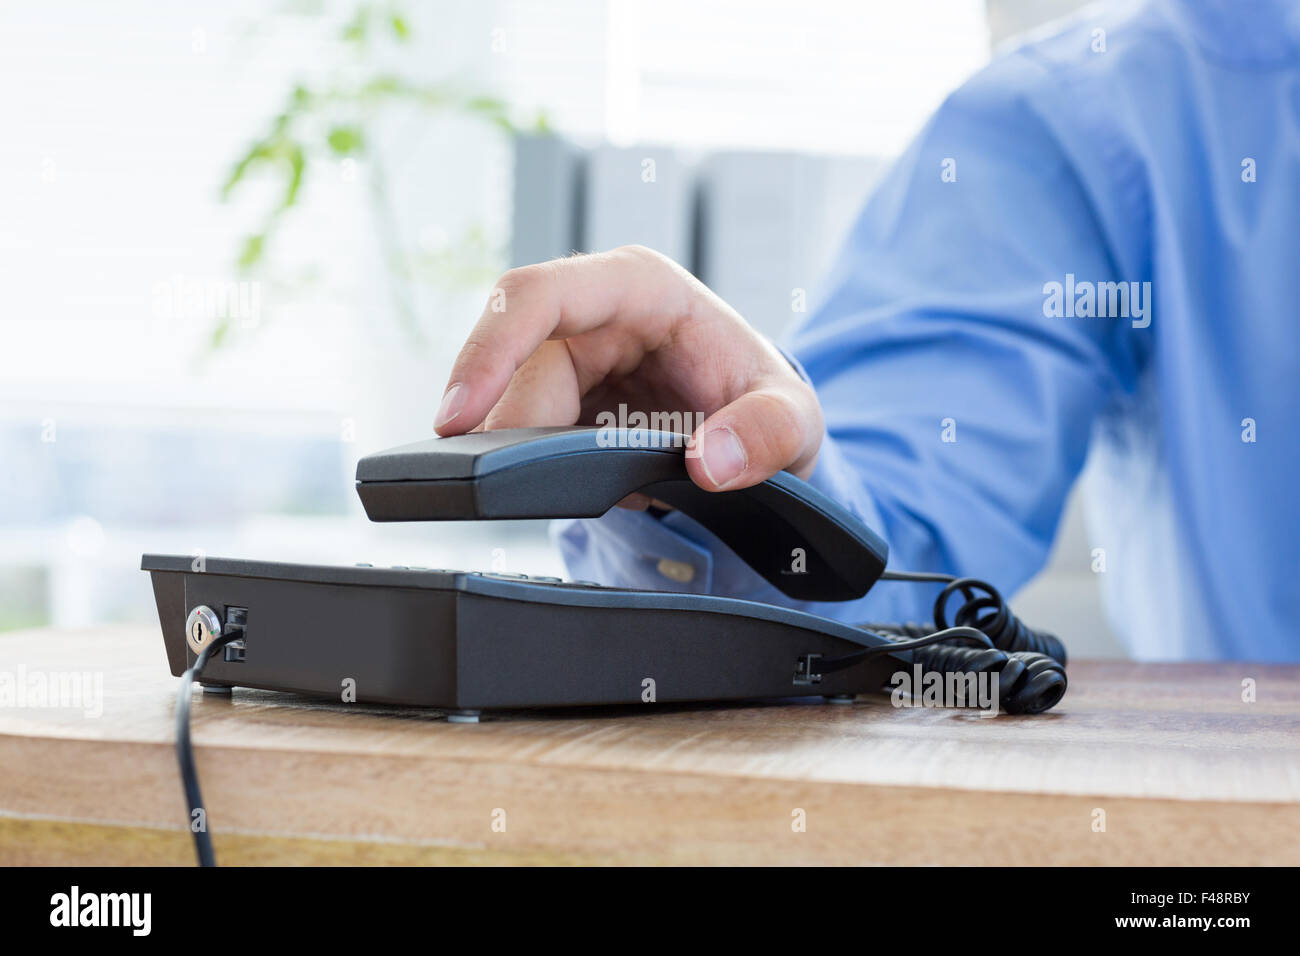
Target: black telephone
{"points": [[467, 641]]}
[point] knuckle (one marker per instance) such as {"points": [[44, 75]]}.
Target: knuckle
{"points": [[780, 425], [522, 280], [640, 253]]}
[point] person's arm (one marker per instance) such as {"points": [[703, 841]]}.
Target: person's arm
{"points": [[957, 413]]}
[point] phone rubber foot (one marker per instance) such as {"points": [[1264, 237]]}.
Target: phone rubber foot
{"points": [[463, 716], [840, 698], [221, 690]]}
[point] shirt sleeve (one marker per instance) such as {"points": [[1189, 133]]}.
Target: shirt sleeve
{"points": [[958, 405]]}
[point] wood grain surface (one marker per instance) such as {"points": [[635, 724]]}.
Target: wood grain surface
{"points": [[1185, 771]]}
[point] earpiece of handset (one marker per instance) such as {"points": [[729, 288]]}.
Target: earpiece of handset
{"points": [[801, 542]]}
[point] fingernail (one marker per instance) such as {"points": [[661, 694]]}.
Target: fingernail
{"points": [[451, 405], [723, 456]]}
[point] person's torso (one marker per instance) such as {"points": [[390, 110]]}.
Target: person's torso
{"points": [[1185, 126]]}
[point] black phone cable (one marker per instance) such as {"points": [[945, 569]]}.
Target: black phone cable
{"points": [[185, 750], [1030, 664], [986, 611], [897, 645]]}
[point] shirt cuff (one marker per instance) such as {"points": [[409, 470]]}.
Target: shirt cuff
{"points": [[833, 475], [794, 362], [633, 549], [674, 553]]}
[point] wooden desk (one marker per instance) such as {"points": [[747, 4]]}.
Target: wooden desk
{"points": [[1185, 771]]}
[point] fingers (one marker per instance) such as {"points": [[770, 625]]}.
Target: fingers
{"points": [[774, 427], [558, 299], [556, 332], [543, 392]]}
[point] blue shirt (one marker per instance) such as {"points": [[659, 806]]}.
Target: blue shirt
{"points": [[1092, 250]]}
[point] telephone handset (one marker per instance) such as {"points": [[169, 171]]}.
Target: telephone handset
{"points": [[802, 542]]}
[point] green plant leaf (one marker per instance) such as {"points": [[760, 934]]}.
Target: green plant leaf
{"points": [[297, 165], [385, 85], [250, 253], [491, 109], [487, 105], [400, 29], [358, 26], [345, 140], [219, 333], [258, 152]]}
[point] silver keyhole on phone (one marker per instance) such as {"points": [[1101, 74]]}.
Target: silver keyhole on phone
{"points": [[201, 627]]}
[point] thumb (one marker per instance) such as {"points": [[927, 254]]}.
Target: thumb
{"points": [[762, 432]]}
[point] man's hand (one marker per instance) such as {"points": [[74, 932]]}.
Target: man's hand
{"points": [[564, 340]]}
